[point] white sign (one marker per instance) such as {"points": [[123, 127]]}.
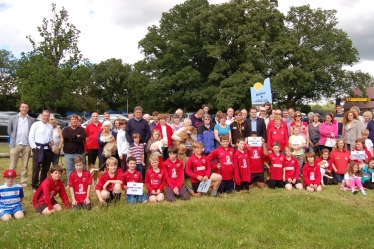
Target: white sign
{"points": [[358, 155], [372, 176], [134, 188], [255, 141], [204, 186]]}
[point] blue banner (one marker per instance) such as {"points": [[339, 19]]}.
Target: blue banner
{"points": [[261, 93]]}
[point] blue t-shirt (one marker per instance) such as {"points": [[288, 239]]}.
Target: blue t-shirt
{"points": [[10, 197], [222, 131], [366, 174]]}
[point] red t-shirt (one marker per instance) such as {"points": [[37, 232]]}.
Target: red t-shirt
{"points": [[340, 160], [279, 135], [256, 159], [276, 166], [242, 171], [47, 191], [131, 177], [174, 173], [311, 174], [226, 159], [155, 180], [80, 184], [92, 132], [198, 167], [106, 177], [292, 168]]}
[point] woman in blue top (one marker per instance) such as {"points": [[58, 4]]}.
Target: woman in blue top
{"points": [[221, 128], [367, 173]]}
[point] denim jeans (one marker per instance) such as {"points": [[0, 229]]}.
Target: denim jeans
{"points": [[141, 169], [132, 199], [69, 162], [338, 177]]}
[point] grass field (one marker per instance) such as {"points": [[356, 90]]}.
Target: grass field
{"points": [[258, 219]]}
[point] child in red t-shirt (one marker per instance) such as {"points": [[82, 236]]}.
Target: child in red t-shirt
{"points": [[291, 170], [174, 174], [311, 173], [325, 164], [198, 167], [132, 175], [155, 180], [110, 183], [242, 173], [225, 166], [256, 158], [44, 198], [80, 185], [276, 167]]}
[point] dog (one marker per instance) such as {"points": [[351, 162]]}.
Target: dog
{"points": [[157, 147], [323, 166], [110, 147], [182, 154], [186, 134], [95, 174]]}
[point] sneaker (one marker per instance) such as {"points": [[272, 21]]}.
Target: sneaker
{"points": [[24, 185], [189, 190], [355, 192], [364, 192], [216, 195]]}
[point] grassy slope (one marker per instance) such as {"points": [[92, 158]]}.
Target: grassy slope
{"points": [[259, 219]]}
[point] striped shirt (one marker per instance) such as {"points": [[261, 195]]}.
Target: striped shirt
{"points": [[10, 197], [137, 151]]}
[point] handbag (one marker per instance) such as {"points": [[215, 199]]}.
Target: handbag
{"points": [[330, 142]]}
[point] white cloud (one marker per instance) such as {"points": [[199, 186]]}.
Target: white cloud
{"points": [[112, 29]]}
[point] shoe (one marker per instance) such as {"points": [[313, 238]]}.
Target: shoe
{"points": [[188, 188], [355, 192], [24, 185], [216, 195], [364, 192]]}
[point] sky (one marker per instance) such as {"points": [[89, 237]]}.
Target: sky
{"points": [[112, 28]]}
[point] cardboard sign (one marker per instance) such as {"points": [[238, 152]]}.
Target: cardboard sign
{"points": [[255, 141], [134, 188], [204, 186], [358, 155]]}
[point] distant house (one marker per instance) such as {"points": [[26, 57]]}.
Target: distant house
{"points": [[364, 106]]}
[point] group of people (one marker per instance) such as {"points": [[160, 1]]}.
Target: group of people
{"points": [[229, 149]]}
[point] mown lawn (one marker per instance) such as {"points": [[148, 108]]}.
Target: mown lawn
{"points": [[259, 219]]}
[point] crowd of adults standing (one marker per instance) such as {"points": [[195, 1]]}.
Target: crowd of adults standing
{"points": [[45, 139]]}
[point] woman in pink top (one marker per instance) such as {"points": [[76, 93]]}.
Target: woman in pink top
{"points": [[304, 130], [328, 129]]}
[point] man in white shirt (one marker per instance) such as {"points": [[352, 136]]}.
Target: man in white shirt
{"points": [[230, 116], [41, 140], [18, 130]]}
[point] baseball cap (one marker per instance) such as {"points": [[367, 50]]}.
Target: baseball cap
{"points": [[10, 173]]}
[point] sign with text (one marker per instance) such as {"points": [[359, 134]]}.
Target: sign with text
{"points": [[261, 93], [255, 141], [204, 186], [358, 155], [134, 188]]}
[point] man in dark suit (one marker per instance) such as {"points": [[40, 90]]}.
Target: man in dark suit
{"points": [[256, 124]]}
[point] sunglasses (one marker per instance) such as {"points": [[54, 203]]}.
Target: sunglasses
{"points": [[298, 115]]}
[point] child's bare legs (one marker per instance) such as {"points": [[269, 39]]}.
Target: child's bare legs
{"points": [[288, 186], [19, 215], [160, 197], [152, 198], [6, 217], [56, 208], [300, 186], [314, 188]]}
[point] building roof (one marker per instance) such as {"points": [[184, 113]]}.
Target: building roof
{"points": [[358, 92]]}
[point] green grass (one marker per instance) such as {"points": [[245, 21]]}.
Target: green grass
{"points": [[4, 149], [259, 219]]}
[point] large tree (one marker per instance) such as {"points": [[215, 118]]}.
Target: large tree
{"points": [[9, 84], [47, 72], [203, 53]]}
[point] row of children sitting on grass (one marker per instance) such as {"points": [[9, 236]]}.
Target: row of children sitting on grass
{"points": [[243, 166]]}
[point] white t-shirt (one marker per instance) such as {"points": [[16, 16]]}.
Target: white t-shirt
{"points": [[369, 146]]}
